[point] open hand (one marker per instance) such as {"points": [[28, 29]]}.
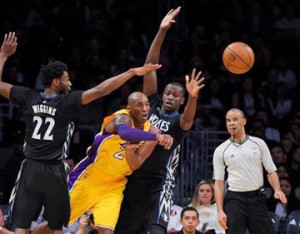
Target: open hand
{"points": [[9, 44], [194, 83], [169, 19], [140, 71]]}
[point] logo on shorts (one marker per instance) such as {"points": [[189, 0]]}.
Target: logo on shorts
{"points": [[165, 216]]}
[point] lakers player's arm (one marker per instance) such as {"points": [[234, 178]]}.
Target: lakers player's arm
{"points": [[120, 125], [8, 48], [136, 156], [111, 84], [150, 79], [193, 85]]}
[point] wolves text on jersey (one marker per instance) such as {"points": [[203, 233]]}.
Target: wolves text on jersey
{"points": [[159, 123]]}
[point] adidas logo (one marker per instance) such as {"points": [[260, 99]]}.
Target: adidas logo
{"points": [[293, 222]]}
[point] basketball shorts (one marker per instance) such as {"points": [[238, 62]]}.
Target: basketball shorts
{"points": [[40, 183], [146, 206], [103, 199]]}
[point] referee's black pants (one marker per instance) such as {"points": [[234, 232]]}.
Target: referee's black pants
{"points": [[247, 210]]}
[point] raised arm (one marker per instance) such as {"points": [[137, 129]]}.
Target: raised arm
{"points": [[8, 48], [193, 85], [150, 79], [111, 84]]}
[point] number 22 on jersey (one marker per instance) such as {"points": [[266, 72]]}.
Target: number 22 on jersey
{"points": [[40, 123]]}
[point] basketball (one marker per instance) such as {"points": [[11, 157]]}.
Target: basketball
{"points": [[238, 57]]}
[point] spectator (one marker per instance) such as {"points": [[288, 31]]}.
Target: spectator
{"points": [[282, 170], [278, 154], [203, 201], [279, 208], [293, 165], [3, 227], [280, 105], [287, 144], [246, 97], [189, 219]]}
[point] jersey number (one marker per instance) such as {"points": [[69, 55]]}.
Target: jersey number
{"points": [[39, 122]]}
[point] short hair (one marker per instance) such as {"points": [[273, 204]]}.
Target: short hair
{"points": [[188, 208], [51, 71], [238, 110], [178, 85]]}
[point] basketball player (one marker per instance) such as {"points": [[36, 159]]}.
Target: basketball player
{"points": [[98, 181], [148, 195], [49, 115]]}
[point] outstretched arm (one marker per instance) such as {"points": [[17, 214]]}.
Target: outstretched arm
{"points": [[193, 85], [150, 79], [8, 48], [120, 124], [111, 84]]}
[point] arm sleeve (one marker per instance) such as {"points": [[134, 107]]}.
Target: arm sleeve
{"points": [[128, 133], [218, 165], [20, 95], [267, 158]]}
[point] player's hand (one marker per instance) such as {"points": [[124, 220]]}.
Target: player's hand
{"points": [[194, 83], [169, 19], [165, 140], [140, 71], [223, 219], [9, 44], [281, 196]]}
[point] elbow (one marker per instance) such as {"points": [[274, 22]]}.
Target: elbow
{"points": [[135, 165]]}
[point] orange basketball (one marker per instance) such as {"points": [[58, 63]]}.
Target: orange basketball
{"points": [[238, 57]]}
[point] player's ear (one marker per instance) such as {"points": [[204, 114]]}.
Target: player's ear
{"points": [[55, 82], [182, 101]]}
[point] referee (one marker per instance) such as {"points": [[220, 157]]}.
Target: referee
{"points": [[243, 157]]}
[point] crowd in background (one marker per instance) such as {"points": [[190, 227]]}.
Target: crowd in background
{"points": [[98, 39]]}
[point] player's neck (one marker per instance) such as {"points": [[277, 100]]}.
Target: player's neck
{"points": [[168, 113], [49, 93], [138, 125]]}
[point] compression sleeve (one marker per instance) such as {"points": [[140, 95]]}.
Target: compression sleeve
{"points": [[128, 133]]}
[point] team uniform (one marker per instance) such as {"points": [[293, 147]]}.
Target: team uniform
{"points": [[244, 202], [98, 181], [42, 179], [148, 193]]}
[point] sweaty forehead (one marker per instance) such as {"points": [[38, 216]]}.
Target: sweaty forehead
{"points": [[173, 88], [140, 99]]}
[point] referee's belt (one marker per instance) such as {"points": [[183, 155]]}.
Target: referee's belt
{"points": [[253, 193]]}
